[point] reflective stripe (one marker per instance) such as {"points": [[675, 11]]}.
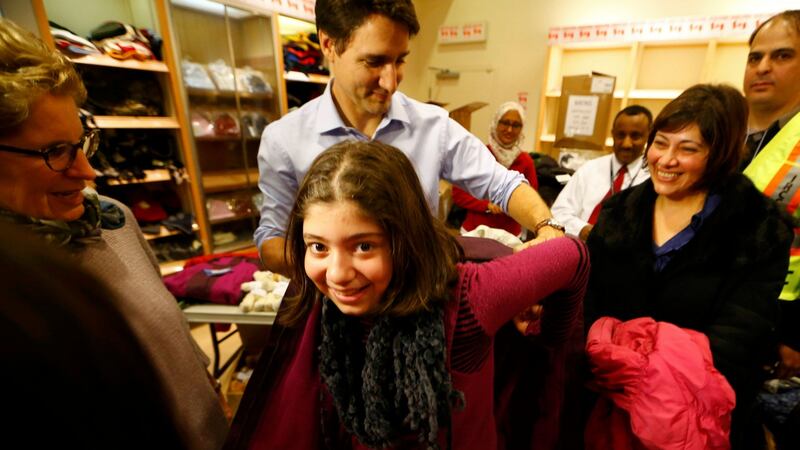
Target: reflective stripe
{"points": [[785, 185], [792, 284], [776, 172]]}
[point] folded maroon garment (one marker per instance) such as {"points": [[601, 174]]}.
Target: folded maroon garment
{"points": [[217, 280], [482, 249]]}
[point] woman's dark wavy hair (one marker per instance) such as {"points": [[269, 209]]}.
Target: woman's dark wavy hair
{"points": [[382, 182], [340, 18], [720, 113]]}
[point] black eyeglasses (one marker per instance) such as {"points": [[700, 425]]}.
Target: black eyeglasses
{"points": [[59, 158], [510, 124]]}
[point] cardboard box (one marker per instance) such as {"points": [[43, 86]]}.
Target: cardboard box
{"points": [[584, 110]]}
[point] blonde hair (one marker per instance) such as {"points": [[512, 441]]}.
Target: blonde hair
{"points": [[29, 69]]}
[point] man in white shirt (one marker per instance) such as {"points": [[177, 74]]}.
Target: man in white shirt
{"points": [[578, 204]]}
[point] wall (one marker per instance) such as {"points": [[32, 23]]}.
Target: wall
{"points": [[21, 13], [512, 58], [137, 12]]}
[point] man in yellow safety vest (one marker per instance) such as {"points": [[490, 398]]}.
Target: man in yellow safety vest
{"points": [[772, 88]]}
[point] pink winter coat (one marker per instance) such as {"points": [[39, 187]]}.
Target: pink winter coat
{"points": [[658, 388]]}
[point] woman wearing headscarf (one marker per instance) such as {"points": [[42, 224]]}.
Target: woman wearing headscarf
{"points": [[44, 172], [505, 137]]}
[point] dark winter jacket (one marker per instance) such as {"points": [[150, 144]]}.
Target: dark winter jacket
{"points": [[724, 283]]}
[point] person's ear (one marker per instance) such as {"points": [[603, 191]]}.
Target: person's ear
{"points": [[327, 45]]}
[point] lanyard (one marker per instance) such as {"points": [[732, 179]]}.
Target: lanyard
{"points": [[611, 175]]}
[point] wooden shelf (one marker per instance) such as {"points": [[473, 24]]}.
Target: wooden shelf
{"points": [[229, 180], [107, 61], [224, 138], [235, 246], [654, 94], [134, 122], [306, 77], [552, 138], [556, 93], [170, 267], [166, 232], [646, 73], [150, 176], [232, 219], [196, 92]]}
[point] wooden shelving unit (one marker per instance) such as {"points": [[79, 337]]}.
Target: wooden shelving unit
{"points": [[233, 219], [81, 16], [224, 138], [293, 75], [246, 245], [647, 73], [297, 85], [150, 176], [137, 122], [107, 61], [194, 92], [217, 32], [228, 180], [242, 34], [161, 234]]}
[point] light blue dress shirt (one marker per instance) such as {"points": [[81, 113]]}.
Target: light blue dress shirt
{"points": [[437, 146]]}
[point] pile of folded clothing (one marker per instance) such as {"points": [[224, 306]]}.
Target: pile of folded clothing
{"points": [[176, 248], [232, 205], [301, 53], [120, 92], [116, 39], [218, 75], [70, 43], [125, 155], [224, 123]]}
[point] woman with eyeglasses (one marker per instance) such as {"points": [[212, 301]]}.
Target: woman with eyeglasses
{"points": [[505, 137], [44, 171]]}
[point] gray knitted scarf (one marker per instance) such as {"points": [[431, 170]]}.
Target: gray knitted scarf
{"points": [[97, 215], [396, 385]]}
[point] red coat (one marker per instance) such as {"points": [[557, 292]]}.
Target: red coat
{"points": [[476, 209], [658, 388]]}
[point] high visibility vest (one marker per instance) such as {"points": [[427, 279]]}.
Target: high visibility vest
{"points": [[776, 172]]}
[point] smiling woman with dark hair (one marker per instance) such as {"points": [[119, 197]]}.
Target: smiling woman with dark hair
{"points": [[697, 246]]}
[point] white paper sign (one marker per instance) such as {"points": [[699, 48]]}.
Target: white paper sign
{"points": [[602, 85], [581, 113]]}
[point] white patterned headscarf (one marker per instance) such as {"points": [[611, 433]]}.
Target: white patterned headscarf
{"points": [[506, 154]]}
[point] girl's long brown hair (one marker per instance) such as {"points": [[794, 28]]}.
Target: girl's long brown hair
{"points": [[381, 181]]}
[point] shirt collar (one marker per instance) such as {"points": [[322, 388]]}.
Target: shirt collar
{"points": [[785, 119], [778, 124], [633, 167], [328, 118]]}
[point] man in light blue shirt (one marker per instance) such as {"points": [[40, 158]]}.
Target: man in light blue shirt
{"points": [[366, 46]]}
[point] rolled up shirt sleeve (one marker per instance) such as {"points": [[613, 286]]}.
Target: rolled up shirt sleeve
{"points": [[278, 184], [468, 165]]}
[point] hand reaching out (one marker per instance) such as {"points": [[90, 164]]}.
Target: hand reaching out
{"points": [[529, 322]]}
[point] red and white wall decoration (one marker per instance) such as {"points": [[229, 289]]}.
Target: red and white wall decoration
{"points": [[670, 29], [301, 9]]}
